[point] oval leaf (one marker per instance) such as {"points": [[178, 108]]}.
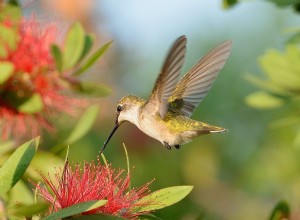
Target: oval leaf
{"points": [[99, 216], [267, 85], [57, 54], [284, 3], [229, 3], [84, 124], [73, 46], [93, 58], [285, 121], [9, 36], [6, 70], [263, 100], [280, 211], [31, 105], [28, 210], [93, 89], [282, 68], [3, 52], [88, 44], [6, 146], [163, 198], [148, 216], [76, 209], [21, 193], [38, 163], [16, 164], [11, 12], [295, 39], [13, 2]]}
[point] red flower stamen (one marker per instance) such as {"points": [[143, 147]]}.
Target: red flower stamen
{"points": [[93, 182]]}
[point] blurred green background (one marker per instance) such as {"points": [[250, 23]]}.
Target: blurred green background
{"points": [[237, 175]]}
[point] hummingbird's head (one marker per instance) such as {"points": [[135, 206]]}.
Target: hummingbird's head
{"points": [[128, 109]]}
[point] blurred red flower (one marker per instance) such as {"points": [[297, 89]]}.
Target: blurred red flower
{"points": [[34, 75], [93, 182]]}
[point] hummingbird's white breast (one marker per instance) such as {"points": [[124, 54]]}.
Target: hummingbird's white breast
{"points": [[154, 126]]}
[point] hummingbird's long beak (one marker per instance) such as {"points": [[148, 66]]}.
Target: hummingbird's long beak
{"points": [[110, 135]]}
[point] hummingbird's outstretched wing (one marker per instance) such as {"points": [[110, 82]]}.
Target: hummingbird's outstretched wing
{"points": [[194, 86], [168, 78]]}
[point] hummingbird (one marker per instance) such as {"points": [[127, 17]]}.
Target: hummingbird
{"points": [[165, 116]]}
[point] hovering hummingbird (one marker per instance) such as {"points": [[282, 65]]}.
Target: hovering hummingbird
{"points": [[165, 116]]}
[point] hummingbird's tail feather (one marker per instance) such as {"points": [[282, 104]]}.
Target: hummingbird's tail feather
{"points": [[206, 129], [201, 130]]}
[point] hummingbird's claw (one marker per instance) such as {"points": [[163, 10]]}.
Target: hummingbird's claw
{"points": [[167, 145], [177, 146]]}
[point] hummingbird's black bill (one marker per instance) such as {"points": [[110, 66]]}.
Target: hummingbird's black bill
{"points": [[109, 137]]}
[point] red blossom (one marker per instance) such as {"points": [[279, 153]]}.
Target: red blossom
{"points": [[93, 182], [33, 53], [34, 73]]}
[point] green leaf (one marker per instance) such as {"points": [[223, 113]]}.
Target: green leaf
{"points": [[21, 193], [99, 217], [296, 141], [57, 54], [84, 124], [280, 211], [13, 2], [93, 58], [267, 85], [11, 12], [8, 37], [263, 100], [93, 89], [285, 121], [148, 216], [6, 146], [163, 198], [6, 70], [283, 68], [88, 44], [229, 3], [284, 3], [73, 46], [16, 164], [76, 209], [31, 105], [44, 162], [3, 51], [28, 210], [295, 39]]}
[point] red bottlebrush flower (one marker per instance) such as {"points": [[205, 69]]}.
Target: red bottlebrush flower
{"points": [[93, 182], [34, 74]]}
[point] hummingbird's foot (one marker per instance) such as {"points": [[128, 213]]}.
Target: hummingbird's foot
{"points": [[167, 145], [177, 146]]}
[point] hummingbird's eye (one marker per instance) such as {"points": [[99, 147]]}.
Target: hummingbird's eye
{"points": [[119, 108]]}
